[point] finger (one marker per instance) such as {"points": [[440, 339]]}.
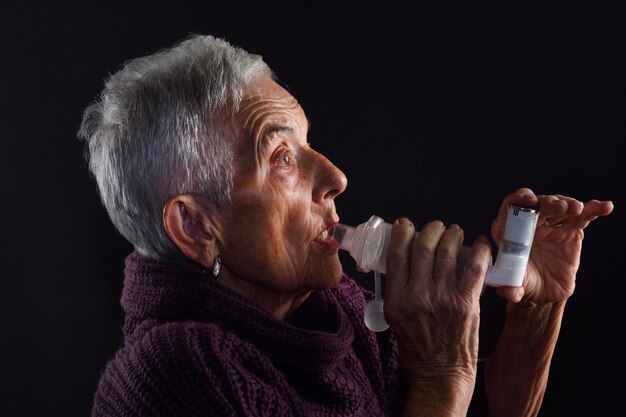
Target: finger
{"points": [[574, 206], [512, 294], [592, 210], [399, 254], [423, 254], [446, 258], [473, 276], [555, 209]]}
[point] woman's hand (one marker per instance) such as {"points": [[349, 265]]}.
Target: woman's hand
{"points": [[435, 313], [555, 254]]}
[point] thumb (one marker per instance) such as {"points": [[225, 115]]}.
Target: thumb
{"points": [[512, 294]]}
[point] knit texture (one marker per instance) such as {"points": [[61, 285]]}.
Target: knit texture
{"points": [[193, 347]]}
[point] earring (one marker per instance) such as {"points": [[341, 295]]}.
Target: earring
{"points": [[217, 265]]}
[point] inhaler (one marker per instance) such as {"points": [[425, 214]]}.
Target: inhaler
{"points": [[367, 244]]}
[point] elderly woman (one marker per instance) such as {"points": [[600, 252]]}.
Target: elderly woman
{"points": [[235, 300]]}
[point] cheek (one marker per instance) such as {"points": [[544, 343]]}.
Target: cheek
{"points": [[255, 256], [269, 231], [253, 237]]}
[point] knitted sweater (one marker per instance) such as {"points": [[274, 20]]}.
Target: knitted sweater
{"points": [[193, 347]]}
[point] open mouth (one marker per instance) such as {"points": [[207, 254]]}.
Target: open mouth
{"points": [[324, 235]]}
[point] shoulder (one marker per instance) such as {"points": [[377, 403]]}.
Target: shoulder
{"points": [[171, 368], [177, 347]]}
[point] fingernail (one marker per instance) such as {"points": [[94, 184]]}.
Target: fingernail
{"points": [[404, 220]]}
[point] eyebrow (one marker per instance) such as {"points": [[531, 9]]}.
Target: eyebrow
{"points": [[274, 128], [268, 130], [271, 128]]}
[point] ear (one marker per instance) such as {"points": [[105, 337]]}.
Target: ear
{"points": [[189, 223]]}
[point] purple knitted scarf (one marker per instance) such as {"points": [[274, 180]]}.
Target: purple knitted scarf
{"points": [[196, 348]]}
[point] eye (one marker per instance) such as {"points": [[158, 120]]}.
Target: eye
{"points": [[285, 158]]}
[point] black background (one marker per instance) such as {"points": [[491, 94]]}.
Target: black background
{"points": [[433, 109]]}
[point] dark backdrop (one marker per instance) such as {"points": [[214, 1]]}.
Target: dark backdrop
{"points": [[433, 110]]}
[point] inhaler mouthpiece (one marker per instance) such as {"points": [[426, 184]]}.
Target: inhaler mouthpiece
{"points": [[367, 243]]}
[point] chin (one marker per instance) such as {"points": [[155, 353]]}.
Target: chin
{"points": [[330, 276]]}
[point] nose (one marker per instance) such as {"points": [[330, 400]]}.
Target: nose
{"points": [[330, 181]]}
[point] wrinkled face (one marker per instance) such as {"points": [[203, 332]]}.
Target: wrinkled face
{"points": [[275, 233]]}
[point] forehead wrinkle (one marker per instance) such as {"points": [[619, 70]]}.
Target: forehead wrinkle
{"points": [[256, 108], [262, 116], [260, 113]]}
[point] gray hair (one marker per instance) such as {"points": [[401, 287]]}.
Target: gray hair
{"points": [[159, 129]]}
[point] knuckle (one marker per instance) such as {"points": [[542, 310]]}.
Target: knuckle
{"points": [[445, 254], [422, 250], [396, 257], [476, 270]]}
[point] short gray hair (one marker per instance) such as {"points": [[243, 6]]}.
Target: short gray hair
{"points": [[158, 130]]}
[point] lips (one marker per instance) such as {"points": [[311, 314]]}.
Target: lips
{"points": [[324, 236], [324, 233]]}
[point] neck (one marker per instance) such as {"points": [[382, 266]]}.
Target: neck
{"points": [[279, 304]]}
